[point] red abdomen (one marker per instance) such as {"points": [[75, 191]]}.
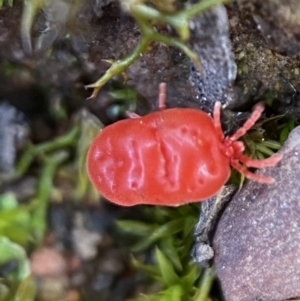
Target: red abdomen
{"points": [[169, 157]]}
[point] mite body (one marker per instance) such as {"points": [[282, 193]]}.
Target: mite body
{"points": [[169, 157]]}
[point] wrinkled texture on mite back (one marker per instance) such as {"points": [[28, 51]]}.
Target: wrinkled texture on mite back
{"points": [[168, 157]]}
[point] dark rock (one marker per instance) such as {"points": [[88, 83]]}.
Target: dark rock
{"points": [[279, 23], [210, 40], [204, 229], [262, 74], [257, 239], [98, 6], [13, 133]]}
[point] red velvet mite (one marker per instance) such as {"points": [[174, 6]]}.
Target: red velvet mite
{"points": [[170, 157]]}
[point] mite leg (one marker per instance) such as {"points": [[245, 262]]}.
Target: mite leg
{"points": [[161, 101], [257, 111], [250, 175], [132, 115], [162, 96], [271, 161], [217, 120]]}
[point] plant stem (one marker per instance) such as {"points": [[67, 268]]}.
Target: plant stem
{"points": [[120, 65], [205, 285], [201, 6], [34, 150], [44, 188], [147, 17]]}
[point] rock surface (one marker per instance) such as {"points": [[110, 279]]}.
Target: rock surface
{"points": [[257, 239], [210, 40], [279, 23]]}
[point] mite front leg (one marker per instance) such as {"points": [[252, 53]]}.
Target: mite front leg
{"points": [[271, 161], [162, 96], [258, 109], [217, 120], [250, 175]]}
